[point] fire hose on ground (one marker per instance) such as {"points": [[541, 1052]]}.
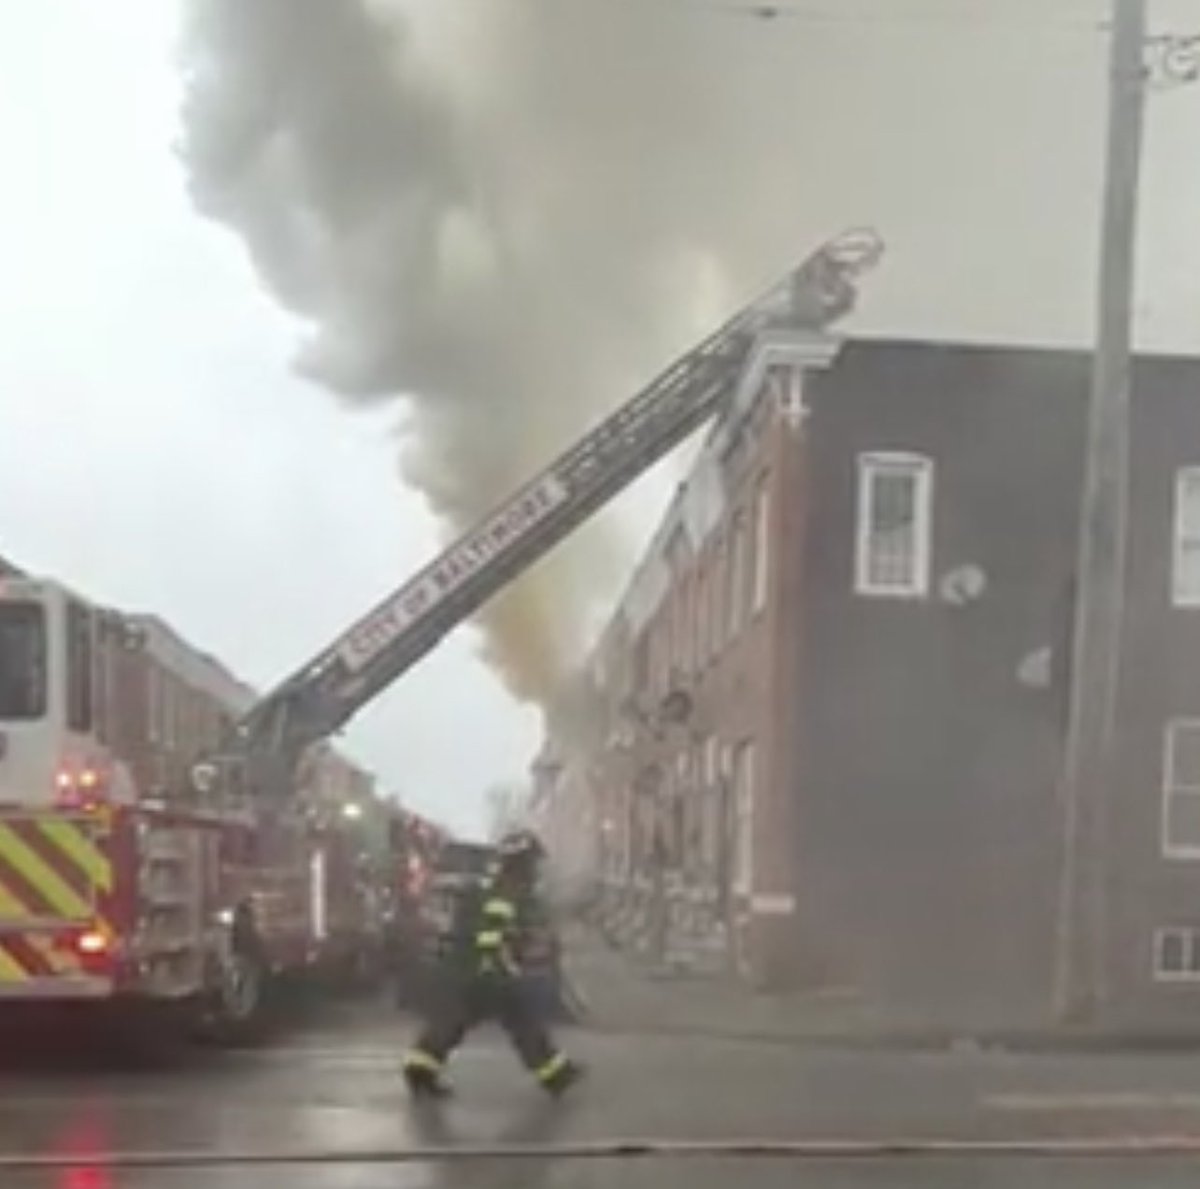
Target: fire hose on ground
{"points": [[625, 1149]]}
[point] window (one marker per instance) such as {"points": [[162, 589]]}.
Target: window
{"points": [[709, 776], [22, 661], [153, 701], [1181, 789], [1177, 954], [79, 667], [170, 690], [736, 599], [716, 606], [743, 810], [708, 629], [892, 544], [762, 547], [1185, 553], [710, 830]]}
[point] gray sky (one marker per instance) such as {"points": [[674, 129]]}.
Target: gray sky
{"points": [[157, 450], [154, 449]]}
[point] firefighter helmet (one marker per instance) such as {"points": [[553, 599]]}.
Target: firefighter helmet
{"points": [[519, 847]]}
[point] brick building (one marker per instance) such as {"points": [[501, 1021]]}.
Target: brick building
{"points": [[830, 706]]}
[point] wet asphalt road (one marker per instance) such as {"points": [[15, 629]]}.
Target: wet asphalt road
{"points": [[333, 1085]]}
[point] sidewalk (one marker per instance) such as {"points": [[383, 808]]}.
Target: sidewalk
{"points": [[622, 994]]}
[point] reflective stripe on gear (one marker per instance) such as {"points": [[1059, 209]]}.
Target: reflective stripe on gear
{"points": [[489, 939], [505, 909], [419, 1059], [549, 1070]]}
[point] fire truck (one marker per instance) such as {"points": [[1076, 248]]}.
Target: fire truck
{"points": [[113, 885], [202, 880]]}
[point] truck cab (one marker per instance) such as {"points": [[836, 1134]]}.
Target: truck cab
{"points": [[53, 753]]}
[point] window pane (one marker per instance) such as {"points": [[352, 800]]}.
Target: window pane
{"points": [[893, 500], [1186, 578], [762, 544], [1171, 957], [892, 529], [22, 661], [1184, 771], [716, 609], [1187, 495], [743, 808], [1183, 821]]}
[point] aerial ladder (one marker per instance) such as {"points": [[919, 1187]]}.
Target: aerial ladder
{"points": [[312, 704]]}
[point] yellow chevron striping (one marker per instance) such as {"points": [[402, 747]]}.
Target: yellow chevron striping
{"points": [[58, 961], [43, 877], [11, 909], [11, 971], [75, 843]]}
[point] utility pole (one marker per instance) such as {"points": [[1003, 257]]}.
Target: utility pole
{"points": [[1089, 759]]}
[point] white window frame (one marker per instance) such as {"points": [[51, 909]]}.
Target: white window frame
{"points": [[762, 547], [1172, 789], [1190, 935], [872, 466], [1182, 536]]}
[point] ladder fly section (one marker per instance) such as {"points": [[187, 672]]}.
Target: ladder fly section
{"points": [[318, 699]]}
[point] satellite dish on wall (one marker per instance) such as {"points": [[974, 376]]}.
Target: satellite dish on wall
{"points": [[962, 585]]}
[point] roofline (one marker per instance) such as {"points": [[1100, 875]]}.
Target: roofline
{"points": [[824, 352], [981, 343], [773, 346]]}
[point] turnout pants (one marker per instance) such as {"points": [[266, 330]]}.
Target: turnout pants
{"points": [[467, 1002]]}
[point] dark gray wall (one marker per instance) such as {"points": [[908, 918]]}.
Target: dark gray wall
{"points": [[1160, 679], [929, 822]]}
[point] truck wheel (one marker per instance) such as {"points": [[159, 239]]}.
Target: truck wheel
{"points": [[238, 1006]]}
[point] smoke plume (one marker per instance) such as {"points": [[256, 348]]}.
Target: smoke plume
{"points": [[510, 212]]}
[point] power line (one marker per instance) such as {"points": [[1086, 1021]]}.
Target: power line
{"points": [[1089, 17]]}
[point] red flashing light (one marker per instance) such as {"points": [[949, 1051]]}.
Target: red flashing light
{"points": [[81, 790]]}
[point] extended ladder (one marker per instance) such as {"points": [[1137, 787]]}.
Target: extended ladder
{"points": [[319, 698]]}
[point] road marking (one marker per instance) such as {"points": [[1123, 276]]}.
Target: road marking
{"points": [[1115, 1100]]}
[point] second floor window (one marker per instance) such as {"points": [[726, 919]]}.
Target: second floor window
{"points": [[762, 547], [893, 529]]}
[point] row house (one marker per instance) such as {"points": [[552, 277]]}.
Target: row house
{"points": [[833, 696]]}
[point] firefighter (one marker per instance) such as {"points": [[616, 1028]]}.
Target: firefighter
{"points": [[485, 980]]}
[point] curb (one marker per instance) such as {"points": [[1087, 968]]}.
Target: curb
{"points": [[840, 1033], [913, 1040]]}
